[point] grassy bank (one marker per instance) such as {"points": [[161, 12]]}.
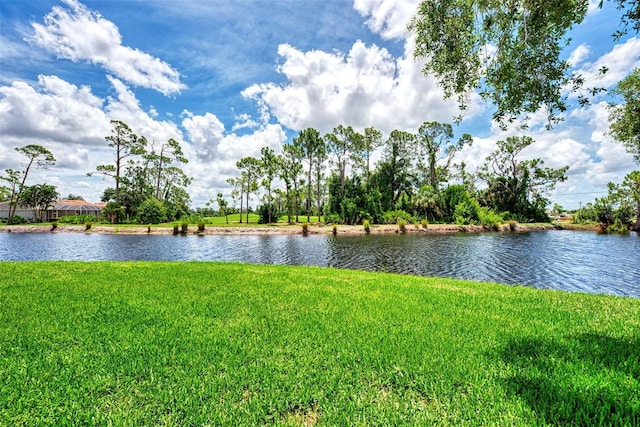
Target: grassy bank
{"points": [[228, 344]]}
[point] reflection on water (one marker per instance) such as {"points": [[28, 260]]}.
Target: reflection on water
{"points": [[577, 261]]}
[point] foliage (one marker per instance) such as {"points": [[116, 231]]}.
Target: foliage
{"points": [[366, 225], [518, 186], [17, 220], [436, 151], [37, 157], [76, 219], [625, 118], [511, 52], [87, 225], [151, 211], [140, 174], [402, 226], [38, 198], [487, 217], [114, 213], [222, 207], [267, 215], [201, 226], [619, 211], [394, 217], [467, 211]]}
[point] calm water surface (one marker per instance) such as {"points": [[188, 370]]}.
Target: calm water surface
{"points": [[568, 260]]}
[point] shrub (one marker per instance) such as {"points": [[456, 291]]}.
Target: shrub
{"points": [[512, 225], [305, 228], [424, 223], [176, 228], [402, 226], [152, 211], [466, 211], [367, 226], [54, 225], [201, 227], [392, 217], [87, 225], [17, 220], [334, 229], [489, 218], [184, 227], [332, 218]]}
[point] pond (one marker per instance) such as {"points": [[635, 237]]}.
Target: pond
{"points": [[567, 260]]}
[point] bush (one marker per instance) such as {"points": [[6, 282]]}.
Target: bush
{"points": [[424, 223], [489, 218], [88, 225], [332, 218], [367, 226], [334, 229], [184, 227], [17, 220], [305, 228], [151, 211], [392, 217], [176, 228], [54, 225], [200, 227], [402, 226]]}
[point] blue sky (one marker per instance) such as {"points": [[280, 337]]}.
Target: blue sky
{"points": [[227, 78]]}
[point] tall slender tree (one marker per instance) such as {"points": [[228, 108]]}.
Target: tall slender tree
{"points": [[269, 165], [290, 170], [437, 151], [250, 170], [310, 144], [126, 144], [37, 157]]}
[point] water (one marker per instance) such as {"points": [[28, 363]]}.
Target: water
{"points": [[568, 260]]}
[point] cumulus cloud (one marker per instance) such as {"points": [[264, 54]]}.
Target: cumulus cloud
{"points": [[365, 87], [54, 110], [620, 61], [216, 151], [387, 18], [74, 32]]}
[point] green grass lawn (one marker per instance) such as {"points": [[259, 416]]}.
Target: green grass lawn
{"points": [[154, 343]]}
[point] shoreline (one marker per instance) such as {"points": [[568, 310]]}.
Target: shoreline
{"points": [[286, 229]]}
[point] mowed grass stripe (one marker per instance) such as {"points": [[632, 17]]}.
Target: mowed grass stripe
{"points": [[148, 343]]}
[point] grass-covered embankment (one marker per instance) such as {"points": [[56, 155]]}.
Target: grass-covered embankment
{"points": [[230, 344]]}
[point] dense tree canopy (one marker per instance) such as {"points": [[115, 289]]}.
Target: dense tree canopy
{"points": [[37, 157], [625, 117], [509, 51]]}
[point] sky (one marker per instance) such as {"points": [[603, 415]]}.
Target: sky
{"points": [[226, 78]]}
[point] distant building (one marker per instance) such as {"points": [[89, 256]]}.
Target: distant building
{"points": [[60, 209]]}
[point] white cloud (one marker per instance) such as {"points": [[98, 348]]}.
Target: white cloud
{"points": [[389, 18], [579, 54], [78, 34], [55, 111], [215, 152], [366, 87], [620, 61]]}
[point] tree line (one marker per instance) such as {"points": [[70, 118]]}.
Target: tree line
{"points": [[149, 186], [416, 177]]}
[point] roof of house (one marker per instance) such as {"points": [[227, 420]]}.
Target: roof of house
{"points": [[69, 205]]}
